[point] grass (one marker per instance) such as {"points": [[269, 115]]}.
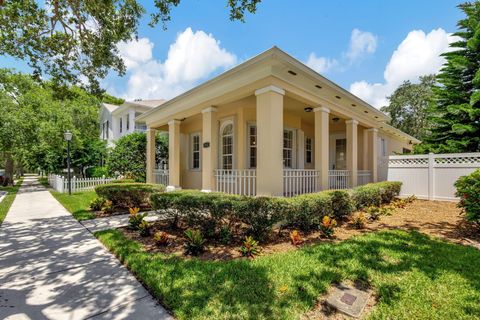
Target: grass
{"points": [[8, 200], [77, 203], [413, 275]]}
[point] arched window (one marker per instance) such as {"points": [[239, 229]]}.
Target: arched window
{"points": [[226, 145]]}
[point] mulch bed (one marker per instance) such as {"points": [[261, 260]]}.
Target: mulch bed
{"points": [[435, 218]]}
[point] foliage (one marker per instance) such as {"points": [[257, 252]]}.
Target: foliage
{"points": [[135, 218], [455, 117], [341, 204], [107, 207], [128, 195], [250, 247], [375, 194], [77, 40], [405, 269], [225, 235], [409, 105], [78, 203], [144, 227], [34, 118], [96, 172], [306, 211], [161, 238], [359, 221], [6, 203], [97, 204], [327, 227], [128, 157], [296, 237], [468, 189], [194, 242], [373, 212]]}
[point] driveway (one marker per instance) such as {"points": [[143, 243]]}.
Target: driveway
{"points": [[51, 267]]}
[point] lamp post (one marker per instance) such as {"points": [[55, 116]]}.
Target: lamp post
{"points": [[68, 137]]}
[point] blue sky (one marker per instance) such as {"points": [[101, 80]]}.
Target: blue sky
{"points": [[201, 42]]}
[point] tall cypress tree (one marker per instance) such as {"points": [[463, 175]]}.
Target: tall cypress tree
{"points": [[455, 116]]}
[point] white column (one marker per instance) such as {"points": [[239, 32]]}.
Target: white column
{"points": [[150, 177], [373, 153], [210, 150], [322, 137], [270, 141], [352, 151], [173, 155]]}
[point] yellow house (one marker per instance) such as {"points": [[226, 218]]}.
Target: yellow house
{"points": [[271, 126]]}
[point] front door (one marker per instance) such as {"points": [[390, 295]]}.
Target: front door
{"points": [[340, 154]]}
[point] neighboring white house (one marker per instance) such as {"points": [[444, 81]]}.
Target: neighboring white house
{"points": [[116, 121]]}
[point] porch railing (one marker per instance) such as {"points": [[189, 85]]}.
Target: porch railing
{"points": [[161, 176], [299, 181], [364, 177], [339, 179], [236, 181]]}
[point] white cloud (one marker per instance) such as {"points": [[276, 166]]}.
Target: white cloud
{"points": [[417, 55], [192, 57], [321, 64], [361, 44]]}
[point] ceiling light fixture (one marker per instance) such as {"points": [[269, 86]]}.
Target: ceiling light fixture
{"points": [[293, 73], [354, 105], [317, 86], [308, 109], [335, 119], [338, 97]]}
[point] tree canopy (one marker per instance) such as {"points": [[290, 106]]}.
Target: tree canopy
{"points": [[455, 117], [75, 42], [409, 106]]}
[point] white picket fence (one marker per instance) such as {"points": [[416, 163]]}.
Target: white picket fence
{"points": [[60, 183], [431, 176]]}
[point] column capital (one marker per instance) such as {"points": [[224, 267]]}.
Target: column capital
{"points": [[173, 122], [210, 109], [270, 89], [351, 121], [321, 109], [372, 130]]}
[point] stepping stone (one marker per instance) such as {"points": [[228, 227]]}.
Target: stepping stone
{"points": [[348, 300]]}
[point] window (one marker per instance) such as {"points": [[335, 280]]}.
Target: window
{"points": [[340, 154], [406, 151], [288, 148], [128, 122], [195, 151], [105, 130], [252, 146], [383, 147], [308, 150], [227, 146], [121, 124]]}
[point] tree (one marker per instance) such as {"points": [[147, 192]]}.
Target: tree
{"points": [[75, 40], [409, 106], [129, 156], [455, 117]]}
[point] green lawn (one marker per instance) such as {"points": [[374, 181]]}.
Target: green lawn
{"points": [[77, 203], [8, 200], [415, 277]]}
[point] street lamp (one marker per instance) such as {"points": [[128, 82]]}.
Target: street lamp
{"points": [[68, 137]]}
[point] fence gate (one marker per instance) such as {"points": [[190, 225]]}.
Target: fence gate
{"points": [[431, 176]]}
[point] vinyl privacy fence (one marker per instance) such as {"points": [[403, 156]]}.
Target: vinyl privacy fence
{"points": [[431, 176], [60, 183]]}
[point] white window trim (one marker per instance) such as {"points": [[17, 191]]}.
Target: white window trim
{"points": [[223, 124], [190, 160], [312, 151], [294, 147]]}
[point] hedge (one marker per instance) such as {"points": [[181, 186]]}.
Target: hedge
{"points": [[128, 195], [212, 212], [468, 190]]}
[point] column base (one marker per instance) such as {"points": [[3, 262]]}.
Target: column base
{"points": [[206, 190], [172, 188]]}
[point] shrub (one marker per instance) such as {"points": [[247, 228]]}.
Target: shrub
{"points": [[359, 220], [296, 237], [468, 190], [97, 204], [195, 243], [144, 228], [306, 211], [250, 247], [374, 194], [96, 172], [373, 212], [107, 207], [327, 227], [123, 181], [136, 218], [161, 238], [226, 235], [341, 204], [128, 194]]}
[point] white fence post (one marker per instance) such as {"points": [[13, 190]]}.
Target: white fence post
{"points": [[431, 176]]}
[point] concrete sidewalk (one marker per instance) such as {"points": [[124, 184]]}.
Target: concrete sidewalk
{"points": [[51, 267]]}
